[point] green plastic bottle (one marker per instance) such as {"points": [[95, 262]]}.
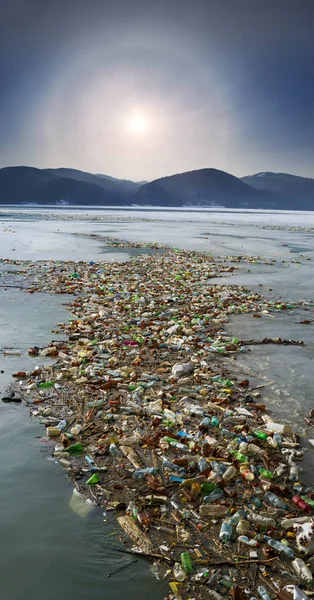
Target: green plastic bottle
{"points": [[308, 500], [93, 479], [46, 384], [260, 435], [208, 487], [240, 457], [75, 448], [186, 563], [266, 474]]}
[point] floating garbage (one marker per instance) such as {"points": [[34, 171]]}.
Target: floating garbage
{"points": [[150, 424]]}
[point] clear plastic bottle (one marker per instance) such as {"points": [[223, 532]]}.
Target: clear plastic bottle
{"points": [[230, 473], [76, 429], [140, 473], [254, 449], [178, 572], [243, 447], [277, 437], [274, 500], [213, 510], [172, 467], [225, 531], [263, 593], [276, 545], [234, 520], [217, 494], [202, 464], [302, 571], [256, 518], [296, 593]]}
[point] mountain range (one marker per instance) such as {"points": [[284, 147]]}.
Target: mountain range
{"points": [[199, 188]]}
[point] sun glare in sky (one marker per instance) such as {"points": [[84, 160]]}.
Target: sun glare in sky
{"points": [[138, 123]]}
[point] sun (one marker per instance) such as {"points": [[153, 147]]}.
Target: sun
{"points": [[138, 123]]}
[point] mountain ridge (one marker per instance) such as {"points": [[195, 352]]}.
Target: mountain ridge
{"points": [[207, 187]]}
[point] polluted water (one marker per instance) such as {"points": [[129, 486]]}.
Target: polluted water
{"points": [[149, 425]]}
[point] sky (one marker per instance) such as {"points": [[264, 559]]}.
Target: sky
{"points": [[140, 89]]}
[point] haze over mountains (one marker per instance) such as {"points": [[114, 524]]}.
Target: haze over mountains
{"points": [[199, 188]]}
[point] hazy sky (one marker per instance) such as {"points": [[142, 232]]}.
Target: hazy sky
{"points": [[145, 88]]}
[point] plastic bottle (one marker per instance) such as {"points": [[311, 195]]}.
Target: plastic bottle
{"points": [[219, 468], [93, 480], [173, 467], [46, 384], [301, 504], [239, 457], [277, 437], [213, 510], [208, 487], [229, 473], [178, 572], [227, 433], [176, 444], [266, 473], [255, 518], [76, 429], [95, 403], [62, 425], [140, 473], [274, 500], [234, 520], [186, 563], [75, 448], [308, 500], [263, 593], [254, 449], [215, 421], [276, 545], [256, 503], [246, 473], [302, 571], [261, 435], [217, 494], [243, 447], [242, 527], [296, 593], [202, 464], [280, 469], [225, 531], [243, 539], [294, 472]]}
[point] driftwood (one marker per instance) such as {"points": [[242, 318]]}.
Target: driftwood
{"points": [[131, 455], [137, 536], [235, 563]]}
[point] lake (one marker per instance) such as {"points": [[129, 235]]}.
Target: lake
{"points": [[50, 546]]}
